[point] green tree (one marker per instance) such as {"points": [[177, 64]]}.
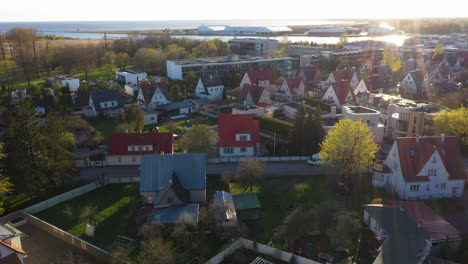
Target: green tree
{"points": [[250, 173], [155, 250], [344, 232], [7, 73], [23, 42], [5, 185], [132, 119], [199, 139], [453, 123], [190, 82], [122, 60], [391, 59], [175, 92], [109, 59], [307, 132], [59, 144], [438, 52], [27, 152], [343, 39], [349, 145]]}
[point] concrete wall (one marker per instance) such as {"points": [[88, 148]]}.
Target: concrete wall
{"points": [[261, 159], [116, 160], [58, 233], [249, 151]]}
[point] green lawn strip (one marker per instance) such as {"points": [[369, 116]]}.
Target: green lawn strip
{"points": [[106, 127], [113, 217]]}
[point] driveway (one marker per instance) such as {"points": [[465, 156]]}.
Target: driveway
{"points": [[272, 169]]}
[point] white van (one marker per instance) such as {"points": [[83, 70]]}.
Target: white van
{"points": [[315, 160]]}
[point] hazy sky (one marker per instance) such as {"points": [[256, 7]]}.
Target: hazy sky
{"points": [[97, 10]]}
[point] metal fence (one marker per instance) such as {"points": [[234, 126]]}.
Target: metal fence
{"points": [[262, 159]]}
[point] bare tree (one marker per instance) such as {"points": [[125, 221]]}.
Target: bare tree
{"points": [[23, 41], [250, 173]]}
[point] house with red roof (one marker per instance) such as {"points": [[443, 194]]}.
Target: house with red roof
{"points": [[239, 135], [152, 95], [260, 77], [128, 148], [254, 95], [339, 94], [293, 89], [310, 74], [422, 168], [350, 76]]}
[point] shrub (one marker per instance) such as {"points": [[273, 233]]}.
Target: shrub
{"points": [[282, 128]]}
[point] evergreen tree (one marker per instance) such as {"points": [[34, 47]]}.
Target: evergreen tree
{"points": [[27, 160], [175, 93], [307, 132], [298, 131]]}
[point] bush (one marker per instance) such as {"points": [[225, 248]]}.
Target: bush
{"points": [[282, 128]]}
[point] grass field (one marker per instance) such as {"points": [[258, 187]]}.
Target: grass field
{"points": [[115, 214], [106, 127]]}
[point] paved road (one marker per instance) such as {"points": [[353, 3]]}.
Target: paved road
{"points": [[272, 169]]}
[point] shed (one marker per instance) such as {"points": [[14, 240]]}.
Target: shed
{"points": [[247, 206]]}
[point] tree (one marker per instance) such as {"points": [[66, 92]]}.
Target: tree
{"points": [[343, 234], [5, 185], [133, 119], [453, 123], [438, 52], [7, 73], [122, 60], [199, 139], [175, 92], [391, 59], [343, 39], [250, 173], [23, 41], [27, 152], [307, 132], [211, 219], [155, 250], [109, 59], [350, 145], [86, 58]]}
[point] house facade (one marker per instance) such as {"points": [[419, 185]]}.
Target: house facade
{"points": [[293, 89], [210, 88], [254, 95], [107, 102], [153, 95], [344, 74], [412, 84], [65, 81], [338, 94], [422, 168], [261, 77], [130, 77], [310, 75], [239, 135], [128, 148]]}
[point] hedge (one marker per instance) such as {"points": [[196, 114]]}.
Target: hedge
{"points": [[272, 125]]}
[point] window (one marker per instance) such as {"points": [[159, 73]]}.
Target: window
{"points": [[228, 150], [414, 188], [119, 159], [432, 172], [140, 148], [105, 104], [243, 138], [243, 149], [147, 148], [443, 185], [170, 200], [134, 159]]}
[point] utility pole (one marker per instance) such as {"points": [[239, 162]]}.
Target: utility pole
{"points": [[274, 143]]}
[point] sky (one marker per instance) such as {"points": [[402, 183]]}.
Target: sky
{"points": [[140, 10]]}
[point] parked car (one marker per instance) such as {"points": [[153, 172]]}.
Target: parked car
{"points": [[314, 160]]}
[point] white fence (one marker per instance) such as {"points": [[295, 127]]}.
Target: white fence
{"points": [[262, 159], [260, 248], [77, 192], [61, 198]]}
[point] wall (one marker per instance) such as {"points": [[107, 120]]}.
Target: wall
{"points": [[68, 238], [263, 159], [260, 248], [249, 151], [61, 198], [123, 160]]}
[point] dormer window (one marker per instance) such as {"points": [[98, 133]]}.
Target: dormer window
{"points": [[243, 137]]}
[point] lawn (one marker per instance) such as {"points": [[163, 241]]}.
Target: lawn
{"points": [[276, 197], [115, 214], [195, 119], [105, 126]]}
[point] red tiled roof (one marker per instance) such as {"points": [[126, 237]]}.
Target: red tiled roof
{"points": [[13, 247], [256, 76], [231, 124], [10, 259], [343, 74], [148, 90], [414, 155], [463, 55], [293, 84], [432, 223], [119, 142], [342, 89]]}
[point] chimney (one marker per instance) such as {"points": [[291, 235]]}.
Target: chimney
{"points": [[442, 137], [417, 139]]}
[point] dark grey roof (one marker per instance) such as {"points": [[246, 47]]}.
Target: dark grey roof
{"points": [[104, 96], [211, 81], [156, 170], [200, 101], [178, 105]]}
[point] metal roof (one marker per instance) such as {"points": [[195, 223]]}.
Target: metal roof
{"points": [[246, 201], [156, 170], [225, 200], [174, 214]]}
